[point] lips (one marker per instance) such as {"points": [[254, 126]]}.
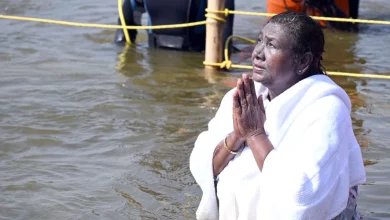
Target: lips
{"points": [[258, 67]]}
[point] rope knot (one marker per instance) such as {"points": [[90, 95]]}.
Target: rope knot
{"points": [[226, 64], [215, 17], [226, 12]]}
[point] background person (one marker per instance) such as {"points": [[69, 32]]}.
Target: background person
{"points": [[327, 8]]}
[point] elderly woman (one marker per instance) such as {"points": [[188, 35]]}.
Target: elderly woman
{"points": [[281, 145]]}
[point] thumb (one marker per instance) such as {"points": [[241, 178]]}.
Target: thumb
{"points": [[260, 99]]}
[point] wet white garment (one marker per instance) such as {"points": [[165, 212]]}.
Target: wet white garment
{"points": [[316, 158]]}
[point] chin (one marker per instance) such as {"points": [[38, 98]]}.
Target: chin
{"points": [[257, 77]]}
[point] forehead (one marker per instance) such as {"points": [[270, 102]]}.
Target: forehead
{"points": [[275, 31]]}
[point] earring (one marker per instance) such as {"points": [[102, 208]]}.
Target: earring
{"points": [[300, 71]]}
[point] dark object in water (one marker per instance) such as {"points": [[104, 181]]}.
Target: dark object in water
{"points": [[172, 12]]}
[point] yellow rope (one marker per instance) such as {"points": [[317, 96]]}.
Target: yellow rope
{"points": [[228, 63], [191, 24], [225, 64], [106, 26], [358, 75], [226, 51], [225, 12], [215, 17], [366, 21], [331, 73], [123, 21]]}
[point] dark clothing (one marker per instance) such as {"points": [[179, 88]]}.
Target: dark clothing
{"points": [[172, 12], [354, 8]]}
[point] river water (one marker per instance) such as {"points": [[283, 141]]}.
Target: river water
{"points": [[90, 130]]}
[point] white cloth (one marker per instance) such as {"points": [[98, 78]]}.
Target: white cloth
{"points": [[316, 158]]}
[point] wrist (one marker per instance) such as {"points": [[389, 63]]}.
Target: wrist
{"points": [[256, 132], [236, 137], [255, 136], [235, 140]]}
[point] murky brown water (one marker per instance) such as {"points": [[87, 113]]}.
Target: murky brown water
{"points": [[91, 131]]}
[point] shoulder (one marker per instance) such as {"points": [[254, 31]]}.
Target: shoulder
{"points": [[329, 113], [330, 100], [330, 105]]}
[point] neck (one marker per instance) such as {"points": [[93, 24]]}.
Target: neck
{"points": [[274, 91]]}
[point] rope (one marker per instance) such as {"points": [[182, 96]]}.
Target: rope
{"points": [[105, 26], [190, 24], [123, 21], [226, 12], [225, 64], [331, 73], [226, 50], [228, 63], [358, 75], [366, 21], [215, 17]]}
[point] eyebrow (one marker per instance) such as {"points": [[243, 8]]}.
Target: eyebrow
{"points": [[268, 37]]}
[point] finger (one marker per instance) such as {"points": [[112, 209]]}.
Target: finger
{"points": [[236, 104], [261, 103], [253, 90], [241, 93], [247, 89]]}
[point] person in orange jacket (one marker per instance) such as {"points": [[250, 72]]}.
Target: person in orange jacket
{"points": [[327, 8]]}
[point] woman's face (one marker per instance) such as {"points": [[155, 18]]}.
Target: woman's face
{"points": [[272, 58]]}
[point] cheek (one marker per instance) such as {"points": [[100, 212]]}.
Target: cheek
{"points": [[281, 65], [275, 64], [269, 59], [285, 63]]}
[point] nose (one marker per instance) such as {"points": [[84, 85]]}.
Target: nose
{"points": [[258, 52]]}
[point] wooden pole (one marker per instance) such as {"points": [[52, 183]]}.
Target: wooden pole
{"points": [[214, 30]]}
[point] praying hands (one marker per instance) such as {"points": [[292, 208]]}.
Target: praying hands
{"points": [[248, 110]]}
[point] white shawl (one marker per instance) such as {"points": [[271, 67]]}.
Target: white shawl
{"points": [[316, 158]]}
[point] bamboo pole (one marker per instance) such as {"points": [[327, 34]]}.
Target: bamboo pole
{"points": [[214, 30]]}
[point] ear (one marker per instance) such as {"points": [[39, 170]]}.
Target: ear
{"points": [[304, 63]]}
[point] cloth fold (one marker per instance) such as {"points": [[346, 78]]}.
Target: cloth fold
{"points": [[316, 158]]}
